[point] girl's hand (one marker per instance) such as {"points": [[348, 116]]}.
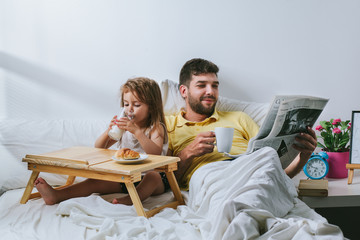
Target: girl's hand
{"points": [[113, 122], [127, 125]]}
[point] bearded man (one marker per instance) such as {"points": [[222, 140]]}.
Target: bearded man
{"points": [[191, 135]]}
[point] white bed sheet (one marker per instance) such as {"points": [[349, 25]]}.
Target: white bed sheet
{"points": [[35, 220], [248, 198]]}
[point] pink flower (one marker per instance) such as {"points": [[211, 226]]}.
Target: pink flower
{"points": [[336, 130], [336, 121], [319, 128]]}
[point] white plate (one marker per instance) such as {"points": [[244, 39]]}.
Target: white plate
{"points": [[141, 158]]}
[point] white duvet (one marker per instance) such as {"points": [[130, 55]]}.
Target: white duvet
{"points": [[247, 198]]}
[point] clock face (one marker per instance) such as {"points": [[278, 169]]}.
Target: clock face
{"points": [[316, 168]]}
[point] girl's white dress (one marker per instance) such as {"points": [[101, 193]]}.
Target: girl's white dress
{"points": [[128, 140]]}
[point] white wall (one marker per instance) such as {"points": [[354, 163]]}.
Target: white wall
{"points": [[68, 58]]}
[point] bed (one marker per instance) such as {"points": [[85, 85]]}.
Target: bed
{"points": [[255, 200]]}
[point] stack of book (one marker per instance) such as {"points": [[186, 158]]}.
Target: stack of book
{"points": [[313, 188]]}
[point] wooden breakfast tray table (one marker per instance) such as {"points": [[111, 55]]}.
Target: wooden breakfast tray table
{"points": [[97, 163]]}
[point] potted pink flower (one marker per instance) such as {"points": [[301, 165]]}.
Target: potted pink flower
{"points": [[335, 136]]}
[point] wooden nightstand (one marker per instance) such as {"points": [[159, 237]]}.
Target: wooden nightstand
{"points": [[340, 193]]}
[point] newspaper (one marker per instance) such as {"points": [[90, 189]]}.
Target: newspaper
{"points": [[287, 116]]}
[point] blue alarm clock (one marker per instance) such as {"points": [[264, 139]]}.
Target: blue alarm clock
{"points": [[317, 166]]}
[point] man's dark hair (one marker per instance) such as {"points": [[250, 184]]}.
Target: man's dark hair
{"points": [[196, 66]]}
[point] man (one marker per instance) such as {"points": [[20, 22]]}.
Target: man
{"points": [[191, 135]]}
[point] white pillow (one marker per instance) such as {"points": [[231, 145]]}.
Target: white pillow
{"points": [[171, 97], [19, 137], [173, 102]]}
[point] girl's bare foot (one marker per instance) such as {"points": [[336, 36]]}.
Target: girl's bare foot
{"points": [[46, 191], [123, 200]]}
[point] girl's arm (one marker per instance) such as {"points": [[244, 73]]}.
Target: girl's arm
{"points": [[104, 141], [154, 144]]}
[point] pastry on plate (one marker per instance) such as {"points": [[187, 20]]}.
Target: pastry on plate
{"points": [[127, 154]]}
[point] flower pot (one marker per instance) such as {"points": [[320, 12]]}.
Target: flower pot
{"points": [[337, 164]]}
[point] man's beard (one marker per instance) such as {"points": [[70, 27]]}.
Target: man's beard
{"points": [[197, 107]]}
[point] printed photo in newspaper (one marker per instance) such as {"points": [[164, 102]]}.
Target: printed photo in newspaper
{"points": [[287, 116]]}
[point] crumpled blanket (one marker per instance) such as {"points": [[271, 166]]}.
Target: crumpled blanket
{"points": [[248, 198]]}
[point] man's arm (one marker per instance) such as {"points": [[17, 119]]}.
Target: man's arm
{"points": [[202, 144], [307, 143]]}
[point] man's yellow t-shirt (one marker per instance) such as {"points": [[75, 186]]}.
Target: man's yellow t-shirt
{"points": [[182, 132]]}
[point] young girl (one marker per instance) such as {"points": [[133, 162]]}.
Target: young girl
{"points": [[144, 133]]}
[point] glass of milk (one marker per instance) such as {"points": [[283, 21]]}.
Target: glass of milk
{"points": [[115, 132]]}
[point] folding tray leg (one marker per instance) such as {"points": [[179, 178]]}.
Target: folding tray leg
{"points": [[135, 199], [174, 187], [177, 194], [69, 182], [29, 187]]}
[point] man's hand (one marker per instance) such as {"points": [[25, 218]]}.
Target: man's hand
{"points": [[202, 144], [306, 144]]}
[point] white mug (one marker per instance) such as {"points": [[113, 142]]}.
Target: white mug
{"points": [[224, 138]]}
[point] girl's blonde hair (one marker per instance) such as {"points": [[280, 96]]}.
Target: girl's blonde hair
{"points": [[148, 92]]}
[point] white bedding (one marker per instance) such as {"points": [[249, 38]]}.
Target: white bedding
{"points": [[227, 200], [248, 198]]}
